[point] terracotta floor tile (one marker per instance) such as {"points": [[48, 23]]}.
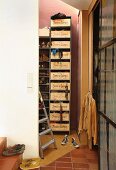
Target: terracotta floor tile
{"points": [[67, 155], [93, 166], [47, 168], [93, 161], [64, 159], [78, 155], [81, 169], [52, 164], [63, 164], [91, 156], [59, 168], [80, 165], [79, 160]]}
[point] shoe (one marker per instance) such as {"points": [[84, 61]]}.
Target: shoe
{"points": [[14, 150], [65, 140], [33, 163], [74, 143]]}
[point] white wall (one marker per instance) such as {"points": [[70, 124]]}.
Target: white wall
{"points": [[18, 57]]}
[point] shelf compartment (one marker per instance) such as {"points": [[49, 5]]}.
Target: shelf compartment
{"points": [[44, 89], [44, 65], [60, 34], [60, 44], [43, 80], [60, 76], [57, 116], [56, 106], [43, 72], [60, 86], [60, 65], [59, 96], [65, 55], [59, 127], [60, 22], [45, 96]]}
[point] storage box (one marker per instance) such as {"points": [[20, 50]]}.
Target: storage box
{"points": [[60, 22], [60, 44], [65, 55], [60, 65], [56, 106], [44, 32], [59, 96], [59, 127], [60, 34], [60, 76], [56, 116], [60, 86]]}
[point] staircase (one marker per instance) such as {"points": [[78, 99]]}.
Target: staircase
{"points": [[8, 163]]}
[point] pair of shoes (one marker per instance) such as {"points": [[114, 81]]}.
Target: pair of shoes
{"points": [[32, 163], [65, 141]]}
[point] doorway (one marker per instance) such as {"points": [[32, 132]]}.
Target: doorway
{"points": [[104, 80]]}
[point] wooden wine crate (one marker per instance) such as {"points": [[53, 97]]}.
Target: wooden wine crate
{"points": [[60, 65], [58, 96], [65, 55], [60, 86], [56, 116], [56, 106], [60, 44], [59, 127], [60, 34], [60, 76], [60, 22]]}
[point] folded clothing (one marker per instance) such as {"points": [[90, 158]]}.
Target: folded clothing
{"points": [[58, 16]]}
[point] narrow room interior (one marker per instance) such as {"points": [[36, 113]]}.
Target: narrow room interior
{"points": [[58, 84]]}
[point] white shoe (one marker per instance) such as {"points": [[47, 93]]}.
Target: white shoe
{"points": [[74, 143], [65, 140]]}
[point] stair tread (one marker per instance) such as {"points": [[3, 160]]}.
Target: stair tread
{"points": [[45, 131], [47, 144], [43, 120]]}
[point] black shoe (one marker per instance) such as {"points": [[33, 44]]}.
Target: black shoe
{"points": [[74, 143]]}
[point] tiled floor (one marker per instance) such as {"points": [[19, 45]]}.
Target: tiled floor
{"points": [[77, 159]]}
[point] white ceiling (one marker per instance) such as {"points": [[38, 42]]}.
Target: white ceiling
{"points": [[79, 4]]}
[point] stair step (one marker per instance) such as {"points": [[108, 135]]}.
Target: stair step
{"points": [[3, 144], [47, 144], [45, 132], [43, 120]]}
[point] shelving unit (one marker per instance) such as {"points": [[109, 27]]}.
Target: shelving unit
{"points": [[44, 53], [60, 74]]}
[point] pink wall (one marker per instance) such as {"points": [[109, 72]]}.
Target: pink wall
{"points": [[47, 8]]}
